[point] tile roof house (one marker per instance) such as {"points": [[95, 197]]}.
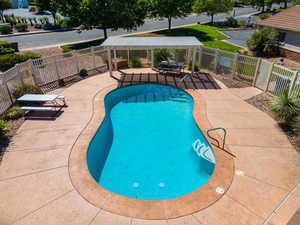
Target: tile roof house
{"points": [[288, 24]]}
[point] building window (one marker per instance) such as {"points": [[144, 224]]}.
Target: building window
{"points": [[282, 36]]}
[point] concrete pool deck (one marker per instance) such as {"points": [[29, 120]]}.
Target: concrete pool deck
{"points": [[35, 186]]}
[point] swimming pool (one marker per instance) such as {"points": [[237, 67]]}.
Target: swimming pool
{"points": [[149, 145]]}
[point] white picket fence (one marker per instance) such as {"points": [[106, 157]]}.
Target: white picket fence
{"points": [[53, 71]]}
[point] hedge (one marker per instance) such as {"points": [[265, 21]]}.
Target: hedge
{"points": [[6, 44], [5, 28], [9, 60], [21, 27]]}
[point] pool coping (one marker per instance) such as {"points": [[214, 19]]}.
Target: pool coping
{"points": [[104, 199]]}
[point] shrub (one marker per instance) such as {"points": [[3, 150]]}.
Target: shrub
{"points": [[265, 42], [5, 28], [296, 125], [136, 62], [26, 89], [3, 128], [32, 9], [21, 27], [162, 55], [285, 108], [264, 16], [6, 44], [9, 60], [14, 113], [83, 73], [232, 22], [4, 51]]}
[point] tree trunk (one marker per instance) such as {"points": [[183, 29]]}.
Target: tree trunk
{"points": [[212, 18], [1, 16], [105, 33], [263, 7], [169, 23], [285, 4], [54, 17]]}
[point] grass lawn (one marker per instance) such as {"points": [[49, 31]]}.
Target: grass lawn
{"points": [[82, 45], [210, 36]]}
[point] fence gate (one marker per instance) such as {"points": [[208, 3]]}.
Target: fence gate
{"points": [[263, 74]]}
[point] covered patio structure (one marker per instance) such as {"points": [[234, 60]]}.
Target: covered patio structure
{"points": [[115, 45]]}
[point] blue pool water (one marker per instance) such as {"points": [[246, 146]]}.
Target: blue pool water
{"points": [[143, 148]]}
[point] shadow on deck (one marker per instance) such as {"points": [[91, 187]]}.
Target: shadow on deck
{"points": [[199, 80]]}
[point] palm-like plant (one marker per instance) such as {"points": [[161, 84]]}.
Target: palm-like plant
{"points": [[285, 108]]}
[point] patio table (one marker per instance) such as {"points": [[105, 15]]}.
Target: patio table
{"points": [[43, 98]]}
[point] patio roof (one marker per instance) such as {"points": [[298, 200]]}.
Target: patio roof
{"points": [[151, 42]]}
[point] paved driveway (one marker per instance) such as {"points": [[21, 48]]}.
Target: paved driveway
{"points": [[239, 37]]}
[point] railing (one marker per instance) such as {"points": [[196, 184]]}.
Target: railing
{"points": [[215, 139], [51, 72]]}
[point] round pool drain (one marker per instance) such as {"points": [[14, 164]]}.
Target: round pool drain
{"points": [[135, 185], [220, 190]]}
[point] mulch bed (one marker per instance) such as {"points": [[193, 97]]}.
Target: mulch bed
{"points": [[261, 102], [14, 125]]}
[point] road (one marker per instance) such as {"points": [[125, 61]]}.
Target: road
{"points": [[58, 38]]}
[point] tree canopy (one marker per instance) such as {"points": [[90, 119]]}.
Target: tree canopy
{"points": [[107, 14], [170, 9], [212, 7], [49, 5], [4, 5]]}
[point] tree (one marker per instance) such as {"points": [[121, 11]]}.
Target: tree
{"points": [[107, 14], [212, 7], [49, 5], [265, 42], [170, 9], [4, 5]]}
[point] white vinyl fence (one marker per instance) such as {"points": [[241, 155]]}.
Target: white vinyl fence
{"points": [[49, 72], [52, 72]]}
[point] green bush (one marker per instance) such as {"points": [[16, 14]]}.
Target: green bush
{"points": [[6, 44], [285, 108], [162, 55], [32, 9], [296, 125], [26, 89], [9, 60], [136, 62], [4, 51], [5, 28], [264, 16], [14, 113], [3, 128], [265, 42], [21, 27], [83, 73], [232, 22]]}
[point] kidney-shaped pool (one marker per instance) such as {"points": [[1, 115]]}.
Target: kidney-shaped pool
{"points": [[149, 145]]}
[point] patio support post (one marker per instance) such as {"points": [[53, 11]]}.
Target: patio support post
{"points": [[193, 61], [109, 62], [115, 59], [152, 57]]}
